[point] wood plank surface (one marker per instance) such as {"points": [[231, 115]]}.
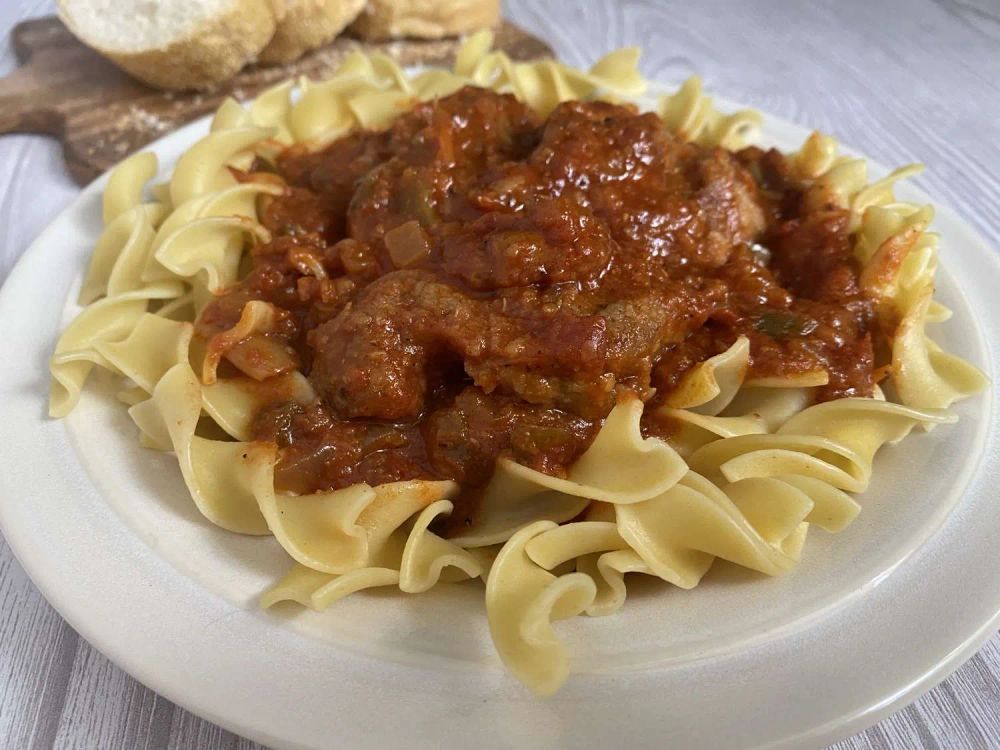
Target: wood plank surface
{"points": [[901, 80]]}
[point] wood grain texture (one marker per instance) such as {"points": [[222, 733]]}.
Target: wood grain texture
{"points": [[101, 115], [900, 80]]}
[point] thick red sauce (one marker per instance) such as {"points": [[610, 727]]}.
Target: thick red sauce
{"points": [[477, 282]]}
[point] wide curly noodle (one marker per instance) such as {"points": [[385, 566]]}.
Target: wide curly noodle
{"points": [[751, 464]]}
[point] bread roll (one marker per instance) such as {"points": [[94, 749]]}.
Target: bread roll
{"points": [[309, 24], [424, 19], [175, 44]]}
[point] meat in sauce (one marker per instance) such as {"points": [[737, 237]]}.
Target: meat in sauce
{"points": [[476, 282]]}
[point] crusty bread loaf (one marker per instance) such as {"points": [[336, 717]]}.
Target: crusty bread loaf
{"points": [[308, 24], [175, 44], [425, 19]]}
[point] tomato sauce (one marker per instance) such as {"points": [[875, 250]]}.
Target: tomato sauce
{"points": [[476, 281]]}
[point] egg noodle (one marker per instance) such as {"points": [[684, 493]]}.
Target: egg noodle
{"points": [[751, 464]]}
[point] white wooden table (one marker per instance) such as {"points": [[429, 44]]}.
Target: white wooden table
{"points": [[901, 81]]}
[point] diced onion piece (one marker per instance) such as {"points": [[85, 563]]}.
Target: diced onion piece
{"points": [[262, 357], [407, 244], [306, 262]]}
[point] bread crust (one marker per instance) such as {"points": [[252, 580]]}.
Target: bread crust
{"points": [[307, 25], [212, 53], [424, 19]]}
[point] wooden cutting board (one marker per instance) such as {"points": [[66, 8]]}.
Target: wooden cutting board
{"points": [[101, 115]]}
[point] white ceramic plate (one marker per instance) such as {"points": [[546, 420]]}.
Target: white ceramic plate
{"points": [[871, 618]]}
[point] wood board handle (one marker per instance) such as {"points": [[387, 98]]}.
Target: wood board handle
{"points": [[26, 106], [40, 95]]}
